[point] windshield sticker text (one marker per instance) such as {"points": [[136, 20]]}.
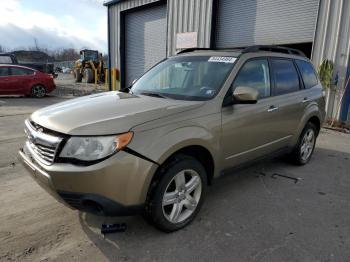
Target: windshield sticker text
{"points": [[222, 59]]}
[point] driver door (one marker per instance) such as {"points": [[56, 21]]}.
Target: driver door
{"points": [[251, 130]]}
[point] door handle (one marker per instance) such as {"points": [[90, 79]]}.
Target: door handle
{"points": [[272, 108], [305, 100]]}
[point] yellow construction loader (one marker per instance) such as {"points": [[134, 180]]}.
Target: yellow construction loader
{"points": [[89, 68]]}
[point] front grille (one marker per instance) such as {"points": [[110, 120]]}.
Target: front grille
{"points": [[44, 152], [42, 146]]}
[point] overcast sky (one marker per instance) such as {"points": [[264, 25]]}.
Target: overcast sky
{"points": [[54, 23]]}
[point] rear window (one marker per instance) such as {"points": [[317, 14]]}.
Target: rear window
{"points": [[17, 71], [308, 73], [5, 60], [285, 75]]}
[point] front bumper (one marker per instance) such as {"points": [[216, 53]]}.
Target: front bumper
{"points": [[115, 186]]}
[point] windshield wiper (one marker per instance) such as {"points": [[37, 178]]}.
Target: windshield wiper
{"points": [[153, 94]]}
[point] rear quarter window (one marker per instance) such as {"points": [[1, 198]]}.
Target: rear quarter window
{"points": [[308, 73]]}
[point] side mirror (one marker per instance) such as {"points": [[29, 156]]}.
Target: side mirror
{"points": [[245, 95]]}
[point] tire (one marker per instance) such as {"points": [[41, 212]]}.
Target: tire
{"points": [[77, 76], [38, 91], [88, 75], [304, 149], [184, 181]]}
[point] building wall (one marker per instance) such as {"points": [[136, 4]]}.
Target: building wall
{"points": [[189, 16], [114, 25], [183, 16], [332, 41]]}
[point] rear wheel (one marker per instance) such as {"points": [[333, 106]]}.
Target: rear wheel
{"points": [[38, 91], [178, 195], [306, 144]]}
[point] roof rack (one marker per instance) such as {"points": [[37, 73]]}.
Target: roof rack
{"points": [[188, 50], [251, 49], [273, 48]]}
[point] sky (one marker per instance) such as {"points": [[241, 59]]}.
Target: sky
{"points": [[54, 24]]}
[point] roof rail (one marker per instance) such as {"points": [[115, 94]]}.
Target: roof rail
{"points": [[273, 48], [188, 50]]}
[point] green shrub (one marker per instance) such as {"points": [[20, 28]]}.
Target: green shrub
{"points": [[325, 71]]}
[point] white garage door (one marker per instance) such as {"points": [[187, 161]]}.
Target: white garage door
{"points": [[251, 22], [145, 40]]}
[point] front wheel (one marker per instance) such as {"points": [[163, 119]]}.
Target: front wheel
{"points": [[306, 144], [178, 195], [88, 75], [38, 91]]}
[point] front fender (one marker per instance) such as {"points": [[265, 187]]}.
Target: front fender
{"points": [[159, 144]]}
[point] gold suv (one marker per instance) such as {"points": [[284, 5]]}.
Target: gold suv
{"points": [[154, 148]]}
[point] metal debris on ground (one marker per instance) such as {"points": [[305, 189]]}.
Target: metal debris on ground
{"points": [[113, 228], [295, 179]]}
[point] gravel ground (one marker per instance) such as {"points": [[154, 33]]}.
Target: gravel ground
{"points": [[250, 215], [66, 86]]}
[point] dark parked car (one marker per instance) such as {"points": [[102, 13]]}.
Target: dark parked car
{"points": [[21, 80]]}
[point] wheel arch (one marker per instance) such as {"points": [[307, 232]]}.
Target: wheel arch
{"points": [[316, 121], [313, 114], [36, 84], [198, 152]]}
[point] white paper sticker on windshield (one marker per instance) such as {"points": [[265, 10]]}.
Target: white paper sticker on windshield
{"points": [[222, 59]]}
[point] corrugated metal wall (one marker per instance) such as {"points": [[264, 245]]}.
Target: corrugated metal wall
{"points": [[145, 40], [332, 41], [189, 16], [245, 23], [183, 16], [114, 15]]}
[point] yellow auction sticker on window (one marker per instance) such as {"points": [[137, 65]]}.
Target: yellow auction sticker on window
{"points": [[222, 59]]}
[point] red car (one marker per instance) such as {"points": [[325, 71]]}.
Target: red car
{"points": [[21, 80]]}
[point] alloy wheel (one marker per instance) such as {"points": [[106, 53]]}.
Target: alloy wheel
{"points": [[307, 145], [38, 91], [182, 196]]}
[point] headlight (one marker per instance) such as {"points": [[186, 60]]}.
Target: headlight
{"points": [[96, 147]]}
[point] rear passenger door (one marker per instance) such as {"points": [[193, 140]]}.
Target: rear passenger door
{"points": [[287, 95], [250, 131], [20, 79]]}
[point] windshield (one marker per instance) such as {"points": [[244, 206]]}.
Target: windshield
{"points": [[90, 55], [185, 77]]}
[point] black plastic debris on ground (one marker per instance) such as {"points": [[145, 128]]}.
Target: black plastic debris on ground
{"points": [[113, 228], [295, 179]]}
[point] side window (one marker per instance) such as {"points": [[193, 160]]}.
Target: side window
{"points": [[285, 75], [16, 71], [4, 71], [308, 73], [255, 74]]}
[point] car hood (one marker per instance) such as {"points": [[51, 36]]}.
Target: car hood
{"points": [[107, 113]]}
